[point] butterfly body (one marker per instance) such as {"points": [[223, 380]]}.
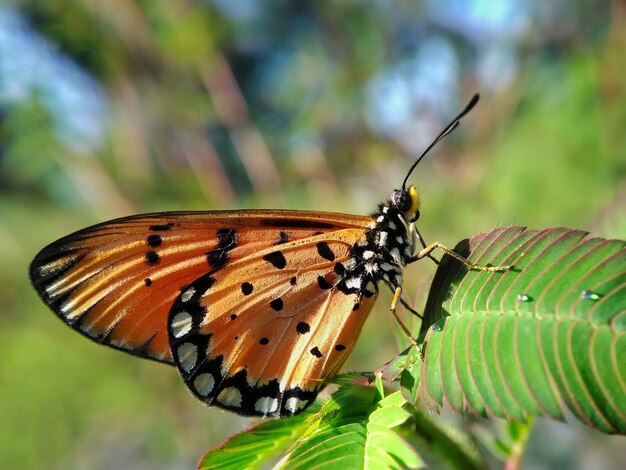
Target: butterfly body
{"points": [[255, 308]]}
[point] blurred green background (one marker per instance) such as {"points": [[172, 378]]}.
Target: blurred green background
{"points": [[118, 107]]}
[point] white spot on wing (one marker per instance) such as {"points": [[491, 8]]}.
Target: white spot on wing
{"points": [[380, 218], [391, 225], [188, 294], [230, 396], [204, 383], [187, 356], [368, 254], [382, 239], [181, 324], [354, 283], [294, 404], [349, 264], [266, 405]]}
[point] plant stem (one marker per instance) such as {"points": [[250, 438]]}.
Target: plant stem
{"points": [[518, 445]]}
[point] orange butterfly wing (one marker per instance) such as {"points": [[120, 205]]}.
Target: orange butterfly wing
{"points": [[259, 336], [116, 282]]}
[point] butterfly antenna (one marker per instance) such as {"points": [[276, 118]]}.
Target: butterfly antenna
{"points": [[449, 128]]}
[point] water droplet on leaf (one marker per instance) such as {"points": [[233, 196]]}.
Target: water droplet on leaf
{"points": [[589, 295]]}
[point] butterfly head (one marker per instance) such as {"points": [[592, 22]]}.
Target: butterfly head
{"points": [[407, 201]]}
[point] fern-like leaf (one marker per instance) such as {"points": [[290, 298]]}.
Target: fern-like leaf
{"points": [[549, 333]]}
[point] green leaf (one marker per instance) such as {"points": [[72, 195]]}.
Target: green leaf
{"points": [[386, 449], [350, 378], [392, 400], [410, 375], [390, 412], [546, 334], [354, 431], [509, 440], [257, 445]]}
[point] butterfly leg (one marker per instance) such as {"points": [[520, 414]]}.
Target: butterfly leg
{"points": [[427, 250], [410, 309], [417, 235], [397, 297]]}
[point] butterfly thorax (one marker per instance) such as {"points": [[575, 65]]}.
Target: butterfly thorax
{"points": [[385, 250]]}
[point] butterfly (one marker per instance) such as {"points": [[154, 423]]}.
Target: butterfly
{"points": [[255, 308]]}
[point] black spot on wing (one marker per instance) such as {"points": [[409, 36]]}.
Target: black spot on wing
{"points": [[303, 328], [277, 304], [282, 238], [203, 284], [325, 252], [264, 341], [152, 257], [246, 288], [276, 259], [154, 240], [226, 241], [323, 283], [316, 352], [217, 258], [148, 281], [340, 347], [227, 238], [161, 228], [339, 269]]}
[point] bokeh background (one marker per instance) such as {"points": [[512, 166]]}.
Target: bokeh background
{"points": [[109, 108]]}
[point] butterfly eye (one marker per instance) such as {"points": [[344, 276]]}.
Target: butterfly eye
{"points": [[401, 199]]}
